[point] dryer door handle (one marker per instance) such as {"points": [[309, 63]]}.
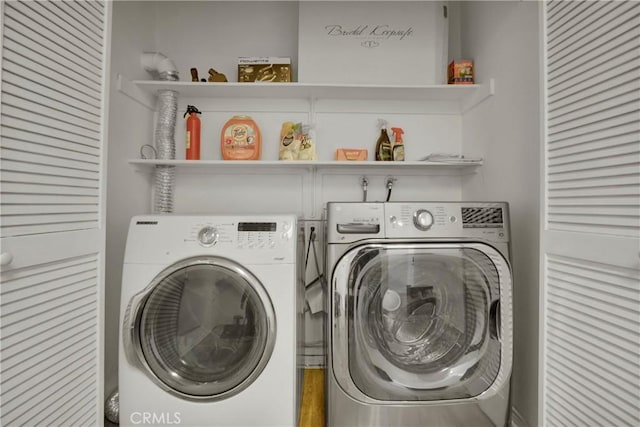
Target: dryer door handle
{"points": [[494, 319]]}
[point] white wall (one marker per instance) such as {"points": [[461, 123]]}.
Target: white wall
{"points": [[128, 192], [207, 34], [503, 40]]}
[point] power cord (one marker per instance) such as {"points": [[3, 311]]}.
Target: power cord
{"points": [[306, 260], [319, 273], [312, 246]]}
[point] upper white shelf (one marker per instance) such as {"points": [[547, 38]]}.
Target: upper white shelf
{"points": [[147, 165], [465, 95], [308, 90]]}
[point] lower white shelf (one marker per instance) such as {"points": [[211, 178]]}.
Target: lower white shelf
{"points": [[462, 167]]}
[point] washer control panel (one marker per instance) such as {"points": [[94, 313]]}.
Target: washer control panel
{"points": [[486, 220], [416, 218]]}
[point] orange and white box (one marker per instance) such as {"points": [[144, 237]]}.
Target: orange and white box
{"points": [[460, 72], [352, 154]]}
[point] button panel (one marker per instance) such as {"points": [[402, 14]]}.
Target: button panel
{"points": [[256, 239], [230, 235], [419, 218]]}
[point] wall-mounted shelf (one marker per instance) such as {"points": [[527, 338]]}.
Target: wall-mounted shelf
{"points": [[466, 96], [261, 165]]}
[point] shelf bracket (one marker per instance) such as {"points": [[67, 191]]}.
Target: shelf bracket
{"points": [[484, 92], [130, 90]]}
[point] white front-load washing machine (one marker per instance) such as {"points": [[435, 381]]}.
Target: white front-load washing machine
{"points": [[420, 330], [208, 321]]}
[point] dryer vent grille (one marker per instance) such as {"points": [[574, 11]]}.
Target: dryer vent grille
{"points": [[478, 217]]}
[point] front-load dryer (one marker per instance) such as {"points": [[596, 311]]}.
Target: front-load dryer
{"points": [[208, 321], [421, 318]]}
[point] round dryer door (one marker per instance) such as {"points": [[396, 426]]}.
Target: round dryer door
{"points": [[422, 321], [204, 328]]}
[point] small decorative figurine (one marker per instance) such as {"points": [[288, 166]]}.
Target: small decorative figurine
{"points": [[215, 76]]}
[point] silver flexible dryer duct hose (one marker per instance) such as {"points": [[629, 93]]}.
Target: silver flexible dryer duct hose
{"points": [[156, 63], [166, 149]]}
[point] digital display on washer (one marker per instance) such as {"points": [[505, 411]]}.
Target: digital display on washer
{"points": [[256, 226]]}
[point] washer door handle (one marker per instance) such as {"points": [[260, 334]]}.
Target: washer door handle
{"points": [[494, 319], [336, 304]]}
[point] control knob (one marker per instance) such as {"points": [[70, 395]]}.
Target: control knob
{"points": [[208, 236], [422, 219]]}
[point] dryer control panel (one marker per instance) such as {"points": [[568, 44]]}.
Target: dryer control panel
{"points": [[259, 239], [243, 234]]}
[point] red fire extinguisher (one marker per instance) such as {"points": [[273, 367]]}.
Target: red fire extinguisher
{"points": [[193, 133]]}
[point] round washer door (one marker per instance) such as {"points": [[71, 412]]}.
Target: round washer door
{"points": [[204, 328], [419, 322]]}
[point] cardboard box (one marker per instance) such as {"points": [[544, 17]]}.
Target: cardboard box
{"points": [[353, 154], [460, 72], [372, 42], [264, 69]]}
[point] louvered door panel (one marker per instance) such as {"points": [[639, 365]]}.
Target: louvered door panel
{"points": [[49, 319], [590, 366], [49, 21], [51, 125], [51, 212], [593, 131], [592, 341]]}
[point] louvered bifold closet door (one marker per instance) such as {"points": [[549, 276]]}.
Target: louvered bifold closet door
{"points": [[590, 328], [51, 211]]}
